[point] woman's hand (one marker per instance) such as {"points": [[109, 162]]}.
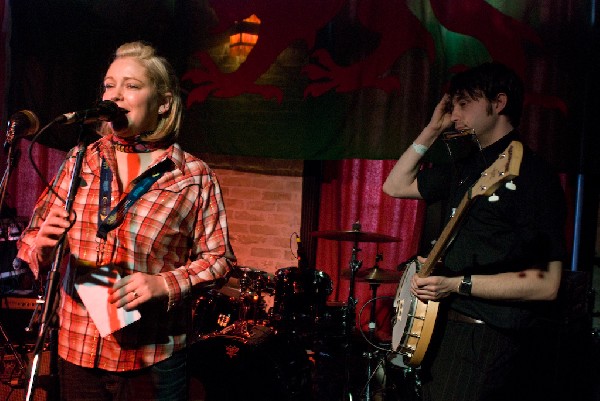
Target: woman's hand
{"points": [[137, 288], [50, 232]]}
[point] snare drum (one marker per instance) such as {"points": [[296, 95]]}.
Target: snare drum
{"points": [[253, 365]]}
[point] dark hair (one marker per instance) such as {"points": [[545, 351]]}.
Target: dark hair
{"points": [[489, 80]]}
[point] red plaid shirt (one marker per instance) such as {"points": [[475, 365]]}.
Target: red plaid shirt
{"points": [[177, 229]]}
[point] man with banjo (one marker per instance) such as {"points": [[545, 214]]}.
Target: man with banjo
{"points": [[500, 267]]}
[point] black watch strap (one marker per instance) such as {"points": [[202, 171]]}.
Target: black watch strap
{"points": [[465, 285]]}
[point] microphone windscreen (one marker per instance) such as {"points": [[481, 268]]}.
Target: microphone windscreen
{"points": [[24, 123]]}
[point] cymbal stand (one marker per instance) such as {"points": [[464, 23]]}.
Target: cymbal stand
{"points": [[355, 264], [371, 354], [349, 316]]}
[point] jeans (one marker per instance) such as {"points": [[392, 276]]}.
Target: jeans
{"points": [[165, 381]]}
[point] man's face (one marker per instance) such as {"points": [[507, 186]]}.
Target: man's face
{"points": [[473, 113]]}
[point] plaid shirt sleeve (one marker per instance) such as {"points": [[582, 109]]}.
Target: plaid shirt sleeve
{"points": [[211, 255]]}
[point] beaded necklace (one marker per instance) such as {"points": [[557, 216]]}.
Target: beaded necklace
{"points": [[137, 145]]}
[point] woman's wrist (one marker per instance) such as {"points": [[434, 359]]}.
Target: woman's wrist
{"points": [[43, 259]]}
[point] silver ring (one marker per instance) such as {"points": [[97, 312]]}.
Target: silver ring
{"points": [[135, 294]]}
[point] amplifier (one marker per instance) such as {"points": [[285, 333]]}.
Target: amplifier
{"points": [[19, 303], [16, 311]]}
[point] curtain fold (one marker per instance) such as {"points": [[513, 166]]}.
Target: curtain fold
{"points": [[25, 186]]}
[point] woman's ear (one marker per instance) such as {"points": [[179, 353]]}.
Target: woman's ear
{"points": [[165, 106]]}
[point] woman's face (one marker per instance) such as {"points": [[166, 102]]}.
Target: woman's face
{"points": [[128, 85]]}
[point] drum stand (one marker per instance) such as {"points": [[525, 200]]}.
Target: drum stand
{"points": [[371, 355], [355, 235], [252, 284], [349, 318]]}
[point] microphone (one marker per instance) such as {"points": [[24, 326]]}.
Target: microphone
{"points": [[105, 110], [21, 124]]}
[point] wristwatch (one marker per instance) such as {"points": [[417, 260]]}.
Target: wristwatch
{"points": [[465, 285]]}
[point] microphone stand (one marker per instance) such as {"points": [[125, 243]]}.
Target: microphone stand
{"points": [[11, 162], [52, 286]]}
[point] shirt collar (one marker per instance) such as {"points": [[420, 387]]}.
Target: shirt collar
{"points": [[173, 152], [491, 152]]}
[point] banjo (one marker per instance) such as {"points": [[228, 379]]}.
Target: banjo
{"points": [[414, 320]]}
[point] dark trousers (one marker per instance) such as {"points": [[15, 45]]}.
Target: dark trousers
{"points": [[164, 381], [475, 362]]}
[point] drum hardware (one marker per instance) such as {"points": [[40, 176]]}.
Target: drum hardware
{"points": [[375, 275], [402, 382], [240, 299], [214, 311], [252, 284], [355, 236], [300, 300], [251, 362], [369, 354], [396, 380]]}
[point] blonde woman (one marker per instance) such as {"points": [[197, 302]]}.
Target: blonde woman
{"points": [[148, 226]]}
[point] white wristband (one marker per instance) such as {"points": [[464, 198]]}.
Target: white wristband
{"points": [[420, 149]]}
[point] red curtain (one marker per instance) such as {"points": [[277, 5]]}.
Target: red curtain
{"points": [[4, 59], [351, 192], [24, 186]]}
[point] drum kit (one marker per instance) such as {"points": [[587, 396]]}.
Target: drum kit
{"points": [[236, 336]]}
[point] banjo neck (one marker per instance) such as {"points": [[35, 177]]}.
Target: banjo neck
{"points": [[442, 243]]}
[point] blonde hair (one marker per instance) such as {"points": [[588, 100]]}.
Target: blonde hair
{"points": [[163, 77]]}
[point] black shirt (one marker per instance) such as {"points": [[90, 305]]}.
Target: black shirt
{"points": [[522, 229]]}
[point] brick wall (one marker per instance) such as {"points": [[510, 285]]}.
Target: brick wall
{"points": [[263, 200]]}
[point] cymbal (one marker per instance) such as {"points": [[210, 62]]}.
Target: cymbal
{"points": [[375, 275], [354, 236]]}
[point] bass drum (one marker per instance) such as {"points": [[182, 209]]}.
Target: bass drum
{"points": [[251, 364], [213, 312]]}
